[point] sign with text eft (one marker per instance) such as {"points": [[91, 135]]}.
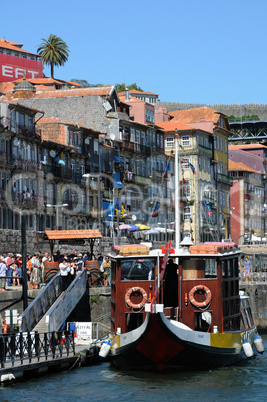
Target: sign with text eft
{"points": [[13, 68]]}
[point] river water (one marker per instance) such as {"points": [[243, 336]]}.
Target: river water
{"points": [[96, 383]]}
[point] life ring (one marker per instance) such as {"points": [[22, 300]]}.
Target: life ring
{"points": [[128, 294], [192, 293]]}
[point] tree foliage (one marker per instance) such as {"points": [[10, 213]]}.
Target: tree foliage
{"points": [[85, 83], [53, 51], [122, 87]]}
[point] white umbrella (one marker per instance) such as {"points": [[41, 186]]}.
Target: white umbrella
{"points": [[161, 230], [151, 231], [124, 226]]}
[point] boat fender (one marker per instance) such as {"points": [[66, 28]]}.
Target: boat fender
{"points": [[247, 348], [7, 377], [128, 294], [258, 344], [203, 304], [105, 347]]}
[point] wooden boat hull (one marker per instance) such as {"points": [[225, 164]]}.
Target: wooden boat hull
{"points": [[160, 344]]}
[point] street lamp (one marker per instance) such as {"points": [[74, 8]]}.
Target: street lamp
{"points": [[57, 208], [87, 176]]}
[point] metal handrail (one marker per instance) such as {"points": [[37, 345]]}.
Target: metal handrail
{"points": [[21, 348], [41, 304], [255, 277], [66, 303]]}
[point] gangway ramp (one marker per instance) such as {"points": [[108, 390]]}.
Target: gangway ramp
{"points": [[53, 300], [64, 305]]}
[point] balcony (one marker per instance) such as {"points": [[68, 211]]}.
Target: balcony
{"points": [[29, 132], [207, 196], [129, 177], [25, 164], [222, 178], [157, 174], [58, 171], [27, 199], [143, 149], [128, 146], [205, 151]]}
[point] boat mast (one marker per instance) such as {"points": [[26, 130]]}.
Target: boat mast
{"points": [[176, 192]]}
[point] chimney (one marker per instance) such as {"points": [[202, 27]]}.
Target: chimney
{"points": [[127, 93]]}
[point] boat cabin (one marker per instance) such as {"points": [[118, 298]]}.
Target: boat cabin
{"points": [[198, 287]]}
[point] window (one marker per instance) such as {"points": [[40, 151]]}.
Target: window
{"points": [[96, 147], [185, 163], [200, 163], [185, 141], [187, 213], [225, 145], [186, 190], [204, 165], [226, 169], [161, 142], [169, 142], [221, 141]]}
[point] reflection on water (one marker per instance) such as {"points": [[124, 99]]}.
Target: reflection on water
{"points": [[246, 383]]}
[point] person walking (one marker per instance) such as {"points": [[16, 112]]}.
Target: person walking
{"points": [[106, 266], [3, 271], [247, 269]]}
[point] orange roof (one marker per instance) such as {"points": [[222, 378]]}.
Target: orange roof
{"points": [[239, 166], [64, 93], [56, 120], [173, 125], [7, 44], [131, 99], [247, 146], [197, 114], [73, 234], [39, 81]]}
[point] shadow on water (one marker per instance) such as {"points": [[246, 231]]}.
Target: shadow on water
{"points": [[96, 383]]}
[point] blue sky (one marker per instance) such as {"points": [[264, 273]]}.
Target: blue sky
{"points": [[185, 51]]}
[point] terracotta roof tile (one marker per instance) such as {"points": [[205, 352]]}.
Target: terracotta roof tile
{"points": [[131, 99], [13, 46], [73, 234], [239, 166], [174, 124], [56, 120], [196, 115], [64, 93], [247, 146]]}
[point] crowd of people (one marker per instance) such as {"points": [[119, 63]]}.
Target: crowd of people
{"points": [[69, 266]]}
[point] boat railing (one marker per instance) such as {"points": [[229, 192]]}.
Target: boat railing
{"points": [[20, 348], [255, 277]]}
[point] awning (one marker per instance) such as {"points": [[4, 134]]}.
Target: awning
{"points": [[72, 234]]}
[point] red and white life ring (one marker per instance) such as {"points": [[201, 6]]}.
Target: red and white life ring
{"points": [[128, 294], [192, 293]]}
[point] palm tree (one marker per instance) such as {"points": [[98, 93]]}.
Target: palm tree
{"points": [[53, 51]]}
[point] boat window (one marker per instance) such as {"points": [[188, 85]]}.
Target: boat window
{"points": [[195, 268], [138, 269]]}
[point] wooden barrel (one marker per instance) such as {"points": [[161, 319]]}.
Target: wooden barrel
{"points": [[50, 269], [93, 272]]}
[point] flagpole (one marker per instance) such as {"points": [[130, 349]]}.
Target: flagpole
{"points": [[176, 193]]}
